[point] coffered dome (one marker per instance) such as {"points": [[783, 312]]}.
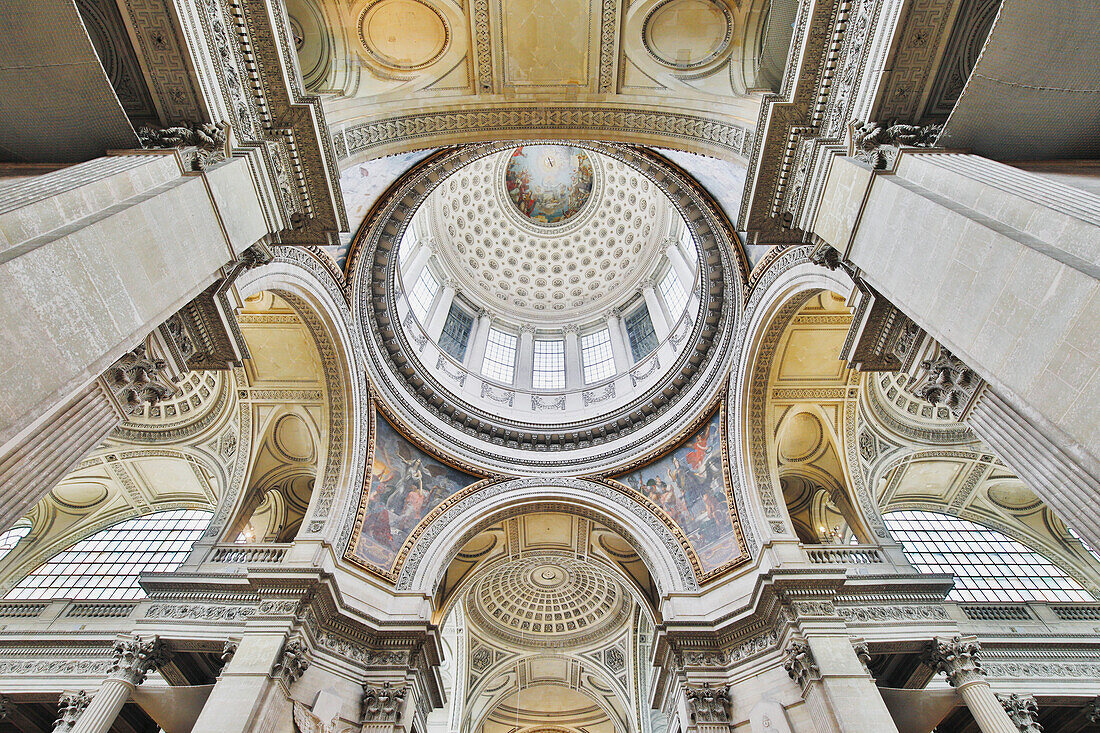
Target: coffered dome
{"points": [[547, 601], [547, 233]]}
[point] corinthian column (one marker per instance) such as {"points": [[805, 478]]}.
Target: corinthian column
{"points": [[134, 658], [958, 659]]}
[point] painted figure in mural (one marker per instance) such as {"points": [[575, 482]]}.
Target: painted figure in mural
{"points": [[548, 183], [405, 485], [687, 484]]}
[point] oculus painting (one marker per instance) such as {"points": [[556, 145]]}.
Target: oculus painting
{"points": [[405, 484], [688, 483], [548, 183]]}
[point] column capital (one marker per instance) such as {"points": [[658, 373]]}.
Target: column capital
{"points": [[1022, 711], [957, 658], [800, 664], [138, 379], [948, 381], [708, 704], [292, 663], [5, 707], [526, 328], [69, 707], [570, 328], [610, 313], [382, 703], [137, 657]]}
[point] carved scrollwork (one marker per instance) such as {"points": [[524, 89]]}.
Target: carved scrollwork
{"points": [[206, 141], [879, 145], [292, 663], [383, 703], [957, 658], [800, 665], [69, 707], [1022, 711], [708, 704]]}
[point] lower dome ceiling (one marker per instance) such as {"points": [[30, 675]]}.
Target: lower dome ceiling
{"points": [[547, 600]]}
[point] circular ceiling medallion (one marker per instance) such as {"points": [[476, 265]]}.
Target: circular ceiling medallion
{"points": [[687, 34], [548, 184], [1013, 495], [79, 494], [547, 600], [403, 34]]}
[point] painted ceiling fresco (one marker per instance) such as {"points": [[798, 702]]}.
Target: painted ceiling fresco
{"points": [[406, 483], [548, 183], [688, 484]]}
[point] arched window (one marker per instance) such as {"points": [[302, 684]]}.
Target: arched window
{"points": [[106, 565], [11, 538], [988, 566]]}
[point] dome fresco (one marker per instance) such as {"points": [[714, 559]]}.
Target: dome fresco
{"points": [[548, 183]]}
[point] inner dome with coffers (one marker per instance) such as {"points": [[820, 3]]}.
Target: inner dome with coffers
{"points": [[547, 297]]}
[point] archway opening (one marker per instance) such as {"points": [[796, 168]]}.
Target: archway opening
{"points": [[548, 617]]}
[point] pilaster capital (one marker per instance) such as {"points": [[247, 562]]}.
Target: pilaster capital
{"points": [[647, 283], [1022, 711], [69, 707], [947, 381], [800, 664], [137, 379], [292, 663], [450, 282], [228, 650], [382, 703], [570, 328], [863, 653], [957, 658], [137, 657], [526, 328], [5, 707], [708, 704], [879, 144], [612, 313]]}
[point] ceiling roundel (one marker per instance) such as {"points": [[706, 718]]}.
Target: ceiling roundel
{"points": [[403, 34], [548, 184], [687, 34], [547, 601]]}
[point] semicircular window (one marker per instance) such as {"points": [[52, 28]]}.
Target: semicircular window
{"points": [[106, 565], [11, 538], [988, 565]]}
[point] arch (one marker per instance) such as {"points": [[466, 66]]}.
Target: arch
{"points": [[669, 558], [305, 282], [782, 285]]}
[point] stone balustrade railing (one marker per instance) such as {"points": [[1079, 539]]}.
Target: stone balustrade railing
{"points": [[248, 554], [844, 555]]}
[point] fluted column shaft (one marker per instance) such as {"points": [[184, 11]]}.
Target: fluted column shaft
{"points": [[437, 314], [475, 352], [958, 659], [983, 704], [656, 312], [574, 370], [104, 708], [619, 346], [134, 659], [525, 358]]}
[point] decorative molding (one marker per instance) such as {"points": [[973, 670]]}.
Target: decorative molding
{"points": [[522, 121]]}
